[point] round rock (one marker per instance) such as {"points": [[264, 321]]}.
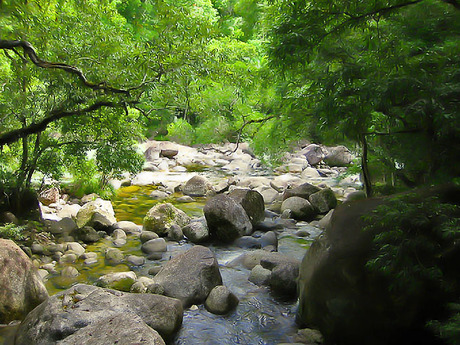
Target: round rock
{"points": [[221, 300]]}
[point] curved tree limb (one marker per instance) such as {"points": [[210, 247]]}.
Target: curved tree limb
{"points": [[354, 18], [37, 127], [240, 130], [30, 52]]}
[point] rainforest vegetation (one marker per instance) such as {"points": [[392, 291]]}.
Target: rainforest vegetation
{"points": [[99, 76], [83, 82]]}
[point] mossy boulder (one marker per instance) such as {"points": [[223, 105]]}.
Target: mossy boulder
{"points": [[162, 216]]}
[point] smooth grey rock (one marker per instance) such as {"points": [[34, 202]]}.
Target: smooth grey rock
{"points": [[120, 329], [119, 280], [158, 195], [226, 219], [196, 186], [113, 256], [67, 312], [102, 207], [185, 199], [338, 156], [324, 200], [260, 275], [221, 300], [135, 260], [86, 234], [75, 247], [252, 202], [21, 288], [247, 242], [37, 248], [155, 245], [128, 227], [64, 226], [269, 239], [303, 191], [301, 209], [190, 276], [197, 231], [70, 272], [313, 153], [283, 278], [175, 233], [118, 234], [148, 235], [69, 258]]}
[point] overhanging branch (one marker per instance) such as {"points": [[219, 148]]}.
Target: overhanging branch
{"points": [[34, 128], [356, 18], [30, 52], [246, 123]]}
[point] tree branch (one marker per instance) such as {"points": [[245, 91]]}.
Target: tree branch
{"points": [[34, 128], [240, 130], [404, 131], [30, 52], [379, 11]]}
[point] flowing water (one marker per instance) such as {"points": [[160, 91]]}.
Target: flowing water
{"points": [[260, 317]]}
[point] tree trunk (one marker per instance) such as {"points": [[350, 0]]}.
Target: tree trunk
{"points": [[365, 168]]}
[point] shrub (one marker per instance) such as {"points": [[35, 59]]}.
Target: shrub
{"points": [[181, 132], [12, 231]]}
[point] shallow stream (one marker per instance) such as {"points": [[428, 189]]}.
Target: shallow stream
{"points": [[260, 318]]}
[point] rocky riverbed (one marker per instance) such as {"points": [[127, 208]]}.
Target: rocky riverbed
{"points": [[208, 235]]}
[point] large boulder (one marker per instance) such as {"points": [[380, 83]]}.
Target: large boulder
{"points": [[324, 200], [313, 153], [21, 288], [81, 306], [301, 209], [86, 234], [190, 276], [372, 280], [62, 227], [100, 209], [162, 216], [226, 219], [252, 202], [120, 329], [303, 191], [197, 186], [338, 156]]}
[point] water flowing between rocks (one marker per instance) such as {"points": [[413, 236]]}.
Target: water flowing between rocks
{"points": [[260, 318]]}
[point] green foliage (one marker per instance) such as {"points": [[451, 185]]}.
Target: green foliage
{"points": [[412, 238], [12, 231], [84, 186], [449, 330], [181, 131], [214, 130], [87, 179], [382, 70]]}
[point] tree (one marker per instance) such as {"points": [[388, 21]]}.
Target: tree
{"points": [[55, 109], [385, 74]]}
